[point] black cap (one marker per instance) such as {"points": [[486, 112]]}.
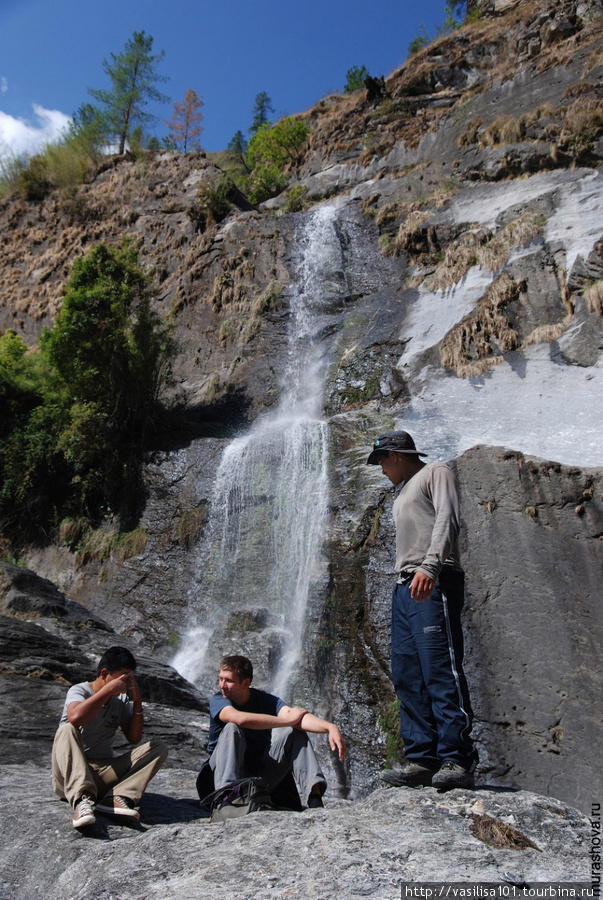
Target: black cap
{"points": [[397, 441]]}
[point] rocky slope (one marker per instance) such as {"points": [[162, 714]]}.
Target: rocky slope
{"points": [[465, 304]]}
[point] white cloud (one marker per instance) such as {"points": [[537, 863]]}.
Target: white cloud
{"points": [[3, 84], [20, 136]]}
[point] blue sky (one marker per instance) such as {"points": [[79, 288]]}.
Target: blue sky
{"points": [[228, 51]]}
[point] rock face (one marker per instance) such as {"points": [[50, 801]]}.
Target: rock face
{"points": [[45, 651], [543, 709], [368, 848], [464, 304], [535, 711]]}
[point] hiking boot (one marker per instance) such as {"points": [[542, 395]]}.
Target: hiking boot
{"points": [[452, 775], [410, 774], [119, 806], [315, 801], [83, 812]]}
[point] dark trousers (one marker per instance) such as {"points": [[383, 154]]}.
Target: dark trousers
{"points": [[427, 672]]}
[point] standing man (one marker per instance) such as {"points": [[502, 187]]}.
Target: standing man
{"points": [[252, 732], [85, 770], [426, 639]]}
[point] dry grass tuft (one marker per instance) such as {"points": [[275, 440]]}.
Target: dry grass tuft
{"points": [[499, 835], [471, 133], [594, 61], [73, 531], [480, 248], [593, 298], [387, 215], [516, 233], [267, 301], [573, 126], [503, 130], [95, 545], [231, 287], [459, 257], [130, 543], [578, 90], [5, 586], [547, 334], [582, 125], [478, 342], [411, 236]]}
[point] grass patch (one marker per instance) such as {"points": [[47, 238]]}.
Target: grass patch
{"points": [[389, 722], [190, 525], [266, 302], [100, 543], [573, 127]]}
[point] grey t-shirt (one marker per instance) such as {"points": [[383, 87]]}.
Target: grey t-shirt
{"points": [[427, 517], [99, 732]]}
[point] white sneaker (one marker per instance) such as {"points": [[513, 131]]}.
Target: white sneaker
{"points": [[119, 806], [83, 812]]}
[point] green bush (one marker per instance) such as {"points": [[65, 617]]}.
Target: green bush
{"points": [[355, 79], [77, 415], [214, 202], [271, 149], [11, 167], [68, 164], [278, 144], [264, 182], [64, 164], [422, 40], [296, 199], [33, 182]]}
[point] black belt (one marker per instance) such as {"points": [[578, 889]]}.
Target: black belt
{"points": [[404, 577]]}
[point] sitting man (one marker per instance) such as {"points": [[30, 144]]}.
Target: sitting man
{"points": [[252, 732], [84, 767]]}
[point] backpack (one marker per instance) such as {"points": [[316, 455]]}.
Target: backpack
{"points": [[246, 795]]}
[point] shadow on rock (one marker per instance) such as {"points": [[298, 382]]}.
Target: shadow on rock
{"points": [[158, 809]]}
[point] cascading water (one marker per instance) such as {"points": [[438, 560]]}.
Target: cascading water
{"points": [[263, 549]]}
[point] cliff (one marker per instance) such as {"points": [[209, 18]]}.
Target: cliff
{"points": [[461, 299]]}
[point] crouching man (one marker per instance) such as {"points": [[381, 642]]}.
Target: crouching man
{"points": [[85, 771], [252, 732]]}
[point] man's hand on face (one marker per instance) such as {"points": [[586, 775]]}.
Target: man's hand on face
{"points": [[117, 686], [122, 684]]}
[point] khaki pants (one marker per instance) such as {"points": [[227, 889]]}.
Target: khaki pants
{"points": [[73, 774]]}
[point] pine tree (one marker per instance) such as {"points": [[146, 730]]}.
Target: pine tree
{"points": [[237, 149], [133, 75], [263, 106], [185, 124], [238, 144]]}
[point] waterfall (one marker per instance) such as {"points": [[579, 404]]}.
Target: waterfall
{"points": [[262, 552]]}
